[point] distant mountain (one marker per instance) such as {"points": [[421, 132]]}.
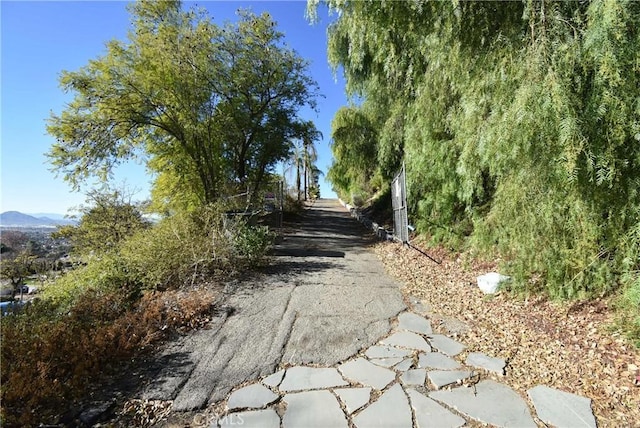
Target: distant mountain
{"points": [[18, 219], [53, 216]]}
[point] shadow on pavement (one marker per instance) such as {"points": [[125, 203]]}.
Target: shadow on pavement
{"points": [[326, 230], [307, 252], [295, 266]]}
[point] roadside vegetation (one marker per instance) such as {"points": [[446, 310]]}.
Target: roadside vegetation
{"points": [[519, 126], [212, 110], [135, 288]]}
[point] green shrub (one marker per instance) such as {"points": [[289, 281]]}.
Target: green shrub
{"points": [[252, 242], [293, 205], [180, 249], [109, 218], [109, 271], [177, 251], [187, 246]]}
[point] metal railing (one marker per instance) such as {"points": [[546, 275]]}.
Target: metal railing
{"points": [[264, 207]]}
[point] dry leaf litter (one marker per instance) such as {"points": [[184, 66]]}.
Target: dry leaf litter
{"points": [[568, 346]]}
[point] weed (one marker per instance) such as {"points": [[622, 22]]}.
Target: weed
{"points": [[51, 359]]}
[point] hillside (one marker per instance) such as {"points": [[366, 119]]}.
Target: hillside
{"points": [[18, 219]]}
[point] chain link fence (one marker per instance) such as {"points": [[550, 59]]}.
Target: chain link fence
{"points": [[399, 202]]}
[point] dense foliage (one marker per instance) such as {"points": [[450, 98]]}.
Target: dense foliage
{"points": [[518, 122], [107, 220], [207, 106]]}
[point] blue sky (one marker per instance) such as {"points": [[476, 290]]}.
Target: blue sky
{"points": [[40, 39]]}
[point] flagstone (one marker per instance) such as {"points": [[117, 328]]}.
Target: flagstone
{"points": [[252, 396], [354, 398], [363, 371], [390, 410], [414, 377], [274, 379], [378, 351], [560, 408], [300, 378], [436, 360], [446, 345], [431, 414], [442, 378], [313, 409], [489, 402], [412, 322], [404, 365], [480, 360], [407, 339], [385, 362], [267, 418]]}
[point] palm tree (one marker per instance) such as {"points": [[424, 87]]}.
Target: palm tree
{"points": [[303, 156], [296, 163], [310, 156]]}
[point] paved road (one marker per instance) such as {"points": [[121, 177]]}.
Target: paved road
{"points": [[325, 298], [324, 339]]}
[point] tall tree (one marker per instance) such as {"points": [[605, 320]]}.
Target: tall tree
{"points": [[310, 155], [354, 147], [18, 257], [517, 122], [205, 105], [303, 155]]}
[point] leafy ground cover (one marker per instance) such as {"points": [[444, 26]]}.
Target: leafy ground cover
{"points": [[574, 346]]}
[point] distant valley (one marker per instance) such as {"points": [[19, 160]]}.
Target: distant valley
{"points": [[18, 219]]}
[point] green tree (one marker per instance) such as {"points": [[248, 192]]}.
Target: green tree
{"points": [[314, 181], [205, 105], [518, 123], [108, 219], [354, 148], [17, 266], [18, 257]]}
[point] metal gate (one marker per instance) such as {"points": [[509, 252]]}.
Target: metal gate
{"points": [[399, 200]]}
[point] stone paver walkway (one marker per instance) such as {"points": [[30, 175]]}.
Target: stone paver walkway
{"points": [[410, 378]]}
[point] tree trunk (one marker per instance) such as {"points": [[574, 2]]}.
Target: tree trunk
{"points": [[298, 180], [305, 181]]}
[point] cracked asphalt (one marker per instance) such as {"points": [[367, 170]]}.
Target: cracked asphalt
{"points": [[324, 298]]}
